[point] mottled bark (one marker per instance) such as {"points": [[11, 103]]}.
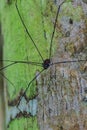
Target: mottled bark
{"points": [[62, 99]]}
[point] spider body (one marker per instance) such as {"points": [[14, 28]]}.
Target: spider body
{"points": [[46, 64]]}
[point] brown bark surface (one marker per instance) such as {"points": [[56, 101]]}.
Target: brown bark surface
{"points": [[62, 99]]}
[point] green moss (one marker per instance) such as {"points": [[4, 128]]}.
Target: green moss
{"points": [[23, 124]]}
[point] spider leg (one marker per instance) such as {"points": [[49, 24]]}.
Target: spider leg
{"points": [[29, 86], [7, 79], [13, 63], [67, 61], [57, 14], [27, 31], [19, 62], [25, 93], [2, 68]]}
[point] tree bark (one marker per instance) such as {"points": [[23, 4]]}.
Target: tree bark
{"points": [[62, 89]]}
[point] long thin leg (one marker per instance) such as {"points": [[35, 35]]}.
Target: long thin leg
{"points": [[13, 63], [29, 85], [54, 30], [2, 68], [28, 31], [19, 62], [26, 91], [22, 61], [67, 61], [7, 79]]}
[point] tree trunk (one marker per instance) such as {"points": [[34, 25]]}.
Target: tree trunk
{"points": [[62, 89]]}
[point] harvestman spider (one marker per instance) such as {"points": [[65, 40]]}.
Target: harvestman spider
{"points": [[46, 63]]}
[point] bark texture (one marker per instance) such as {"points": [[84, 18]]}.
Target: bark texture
{"points": [[62, 99]]}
